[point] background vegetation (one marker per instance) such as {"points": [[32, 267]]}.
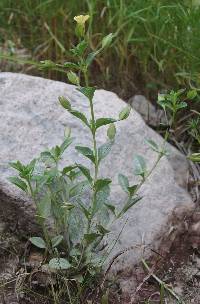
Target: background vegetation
{"points": [[156, 45]]}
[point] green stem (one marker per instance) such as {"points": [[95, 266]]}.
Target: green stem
{"points": [[160, 155], [44, 230], [160, 282]]}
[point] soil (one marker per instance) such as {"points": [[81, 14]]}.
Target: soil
{"points": [[179, 269]]}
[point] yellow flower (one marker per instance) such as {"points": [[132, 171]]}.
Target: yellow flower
{"points": [[81, 19]]}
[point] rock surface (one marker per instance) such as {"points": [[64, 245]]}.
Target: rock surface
{"points": [[31, 120], [147, 110]]}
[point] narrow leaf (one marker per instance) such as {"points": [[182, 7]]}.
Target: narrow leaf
{"points": [[66, 143], [139, 165], [125, 113], [80, 116], [101, 183], [73, 78], [70, 65], [18, 182], [68, 169], [87, 91], [91, 57], [86, 151], [85, 211], [104, 121], [152, 145], [85, 172], [111, 208], [104, 150], [124, 182], [17, 165], [106, 41], [78, 188], [111, 132], [55, 241], [132, 189], [102, 230], [91, 237], [65, 103], [129, 205]]}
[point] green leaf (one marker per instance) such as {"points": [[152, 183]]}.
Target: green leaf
{"points": [[64, 103], [57, 151], [101, 183], [80, 116], [91, 237], [81, 47], [59, 264], [67, 132], [30, 167], [125, 113], [17, 165], [87, 91], [44, 206], [106, 41], [111, 132], [139, 165], [110, 207], [162, 101], [38, 242], [18, 182], [195, 157], [47, 64], [191, 94], [91, 57], [102, 198], [78, 188], [104, 150], [70, 65], [67, 206], [85, 211], [104, 121], [132, 189], [182, 105], [128, 205], [47, 156], [66, 143], [86, 151], [85, 172], [68, 169], [102, 230], [78, 278], [73, 78], [56, 240], [152, 145], [124, 182]]}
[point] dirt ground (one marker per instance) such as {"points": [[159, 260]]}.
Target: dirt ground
{"points": [[179, 269]]}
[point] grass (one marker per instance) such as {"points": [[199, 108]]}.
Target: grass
{"points": [[156, 46]]}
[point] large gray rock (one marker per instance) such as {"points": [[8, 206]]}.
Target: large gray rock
{"points": [[31, 120]]}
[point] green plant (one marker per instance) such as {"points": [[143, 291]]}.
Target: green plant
{"points": [[172, 103], [75, 197], [157, 40]]}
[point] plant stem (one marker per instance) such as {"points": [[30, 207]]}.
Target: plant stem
{"points": [[161, 282], [160, 155]]}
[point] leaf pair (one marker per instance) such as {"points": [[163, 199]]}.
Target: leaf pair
{"points": [[40, 243]]}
